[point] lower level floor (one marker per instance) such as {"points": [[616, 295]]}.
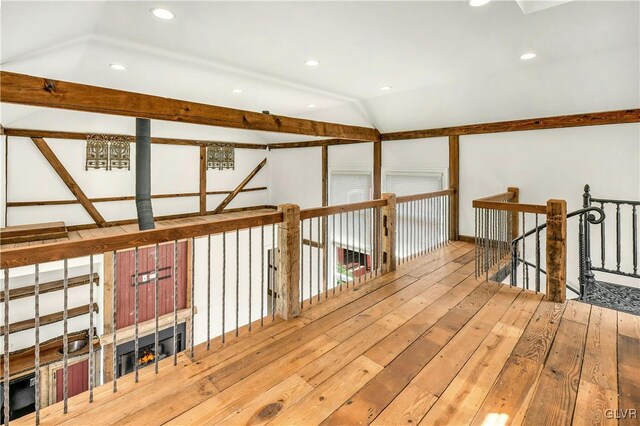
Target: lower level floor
{"points": [[426, 344]]}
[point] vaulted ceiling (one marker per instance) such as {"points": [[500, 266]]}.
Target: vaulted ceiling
{"points": [[447, 63]]}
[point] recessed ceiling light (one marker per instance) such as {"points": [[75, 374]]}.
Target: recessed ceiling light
{"points": [[311, 63], [236, 90], [118, 67], [161, 13], [385, 88], [527, 56], [311, 105], [476, 3]]}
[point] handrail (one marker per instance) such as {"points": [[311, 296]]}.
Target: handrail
{"points": [[22, 256], [340, 208], [424, 196], [510, 207], [610, 201], [505, 196], [590, 218]]}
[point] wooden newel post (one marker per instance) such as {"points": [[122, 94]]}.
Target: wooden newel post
{"points": [[556, 250], [515, 222], [388, 233], [288, 261]]}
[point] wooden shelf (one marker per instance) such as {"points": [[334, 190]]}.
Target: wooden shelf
{"points": [[48, 287], [49, 319]]}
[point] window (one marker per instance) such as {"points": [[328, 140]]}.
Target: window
{"points": [[409, 183], [349, 187]]}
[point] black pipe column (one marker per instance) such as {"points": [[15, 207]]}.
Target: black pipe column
{"points": [[143, 174]]}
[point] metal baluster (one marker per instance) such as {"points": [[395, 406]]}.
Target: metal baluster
{"points": [[209, 292], [353, 247], [525, 268], [175, 302], [406, 231], [475, 239], [537, 256], [318, 250], [36, 295], [301, 264], [6, 347], [135, 286], [91, 366], [273, 273], [224, 282], [359, 246], [333, 252], [237, 281], [250, 281], [341, 249], [367, 247], [262, 275], [346, 262], [635, 239], [65, 339], [325, 255], [618, 237], [602, 238], [486, 244], [310, 262], [114, 306], [193, 294], [155, 308]]}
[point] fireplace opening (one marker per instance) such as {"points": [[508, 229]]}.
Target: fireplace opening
{"points": [[126, 356]]}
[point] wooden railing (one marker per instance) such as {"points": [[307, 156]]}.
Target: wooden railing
{"points": [[499, 221], [286, 260]]}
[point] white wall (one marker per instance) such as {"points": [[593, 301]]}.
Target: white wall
{"points": [[174, 169]]}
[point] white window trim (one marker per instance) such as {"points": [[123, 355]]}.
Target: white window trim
{"points": [[440, 172], [349, 171]]}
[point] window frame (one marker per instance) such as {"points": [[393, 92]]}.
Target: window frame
{"points": [[440, 172]]}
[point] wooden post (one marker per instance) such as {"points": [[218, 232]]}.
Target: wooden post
{"points": [[288, 274], [203, 180], [388, 233], [377, 169], [454, 179], [107, 315], [556, 250], [515, 229], [325, 224]]}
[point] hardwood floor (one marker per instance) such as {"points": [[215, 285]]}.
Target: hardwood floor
{"points": [[427, 344]]}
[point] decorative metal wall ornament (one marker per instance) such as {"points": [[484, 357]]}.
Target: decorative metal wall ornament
{"points": [[108, 152], [120, 153], [97, 153], [220, 156]]}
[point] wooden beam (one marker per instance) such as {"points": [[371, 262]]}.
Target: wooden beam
{"points": [[560, 121], [377, 169], [48, 319], [454, 184], [203, 180], [556, 251], [69, 181], [124, 198], [37, 91], [313, 144], [242, 184], [54, 134]]}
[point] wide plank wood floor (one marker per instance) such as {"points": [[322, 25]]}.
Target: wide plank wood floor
{"points": [[427, 344]]}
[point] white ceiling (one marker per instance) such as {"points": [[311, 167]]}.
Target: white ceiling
{"points": [[448, 63]]}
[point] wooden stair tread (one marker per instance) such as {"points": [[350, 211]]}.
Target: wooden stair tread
{"points": [[48, 319], [48, 287]]}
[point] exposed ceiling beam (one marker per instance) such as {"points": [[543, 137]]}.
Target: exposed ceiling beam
{"points": [[308, 144], [37, 91], [560, 121], [53, 134]]}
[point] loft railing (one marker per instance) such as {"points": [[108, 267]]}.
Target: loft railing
{"points": [[423, 223], [500, 220], [310, 255]]}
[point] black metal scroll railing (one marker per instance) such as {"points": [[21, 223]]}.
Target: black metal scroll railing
{"points": [[517, 257], [624, 214]]}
